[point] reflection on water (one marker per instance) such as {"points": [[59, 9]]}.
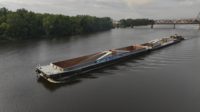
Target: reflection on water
{"points": [[150, 82], [53, 87]]}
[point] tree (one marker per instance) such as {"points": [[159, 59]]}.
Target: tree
{"points": [[135, 22], [17, 25], [3, 13]]}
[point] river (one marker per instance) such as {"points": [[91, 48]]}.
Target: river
{"points": [[166, 80]]}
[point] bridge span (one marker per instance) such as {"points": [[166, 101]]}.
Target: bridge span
{"points": [[175, 22]]}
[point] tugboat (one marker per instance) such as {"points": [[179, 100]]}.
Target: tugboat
{"points": [[60, 71]]}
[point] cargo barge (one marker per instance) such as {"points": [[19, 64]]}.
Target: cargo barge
{"points": [[58, 72]]}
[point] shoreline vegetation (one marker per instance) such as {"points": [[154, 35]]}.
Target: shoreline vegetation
{"points": [[134, 22], [23, 24]]}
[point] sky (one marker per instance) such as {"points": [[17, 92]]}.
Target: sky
{"points": [[116, 9]]}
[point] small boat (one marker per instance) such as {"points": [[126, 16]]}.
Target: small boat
{"points": [[58, 72]]}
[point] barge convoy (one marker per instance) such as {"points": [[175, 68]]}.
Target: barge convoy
{"points": [[58, 72]]}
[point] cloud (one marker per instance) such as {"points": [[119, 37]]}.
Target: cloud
{"points": [[116, 9], [188, 2], [137, 2]]}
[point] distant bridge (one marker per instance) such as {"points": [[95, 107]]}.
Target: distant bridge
{"points": [[177, 21], [173, 22]]}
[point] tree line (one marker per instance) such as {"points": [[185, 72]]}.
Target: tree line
{"points": [[22, 24], [135, 22]]}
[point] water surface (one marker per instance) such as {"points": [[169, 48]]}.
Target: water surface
{"points": [[165, 80]]}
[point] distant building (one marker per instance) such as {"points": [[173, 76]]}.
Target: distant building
{"points": [[116, 24]]}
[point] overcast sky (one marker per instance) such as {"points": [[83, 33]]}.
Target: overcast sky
{"points": [[116, 9]]}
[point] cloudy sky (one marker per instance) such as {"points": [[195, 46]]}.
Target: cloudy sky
{"points": [[117, 9]]}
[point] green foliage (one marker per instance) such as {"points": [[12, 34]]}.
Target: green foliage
{"points": [[3, 29], [23, 24], [135, 22]]}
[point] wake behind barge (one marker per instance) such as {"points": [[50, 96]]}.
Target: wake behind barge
{"points": [[60, 71]]}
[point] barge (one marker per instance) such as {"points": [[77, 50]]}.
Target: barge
{"points": [[58, 72]]}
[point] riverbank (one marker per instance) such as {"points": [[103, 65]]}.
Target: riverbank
{"points": [[11, 40]]}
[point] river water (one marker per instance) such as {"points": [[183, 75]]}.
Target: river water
{"points": [[166, 80]]}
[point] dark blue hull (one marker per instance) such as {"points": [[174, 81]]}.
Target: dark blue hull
{"points": [[79, 71]]}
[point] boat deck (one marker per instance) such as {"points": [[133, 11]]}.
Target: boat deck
{"points": [[49, 70], [94, 57]]}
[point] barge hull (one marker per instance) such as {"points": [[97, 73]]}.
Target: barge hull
{"points": [[160, 47], [69, 68], [66, 75]]}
